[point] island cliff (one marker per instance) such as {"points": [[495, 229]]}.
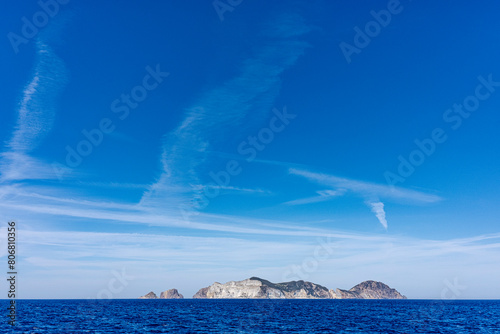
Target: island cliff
{"points": [[255, 287], [258, 288], [367, 290]]}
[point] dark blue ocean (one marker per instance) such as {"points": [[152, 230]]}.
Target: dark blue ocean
{"points": [[254, 316]]}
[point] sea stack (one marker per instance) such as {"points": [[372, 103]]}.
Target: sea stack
{"points": [[171, 294], [150, 295]]}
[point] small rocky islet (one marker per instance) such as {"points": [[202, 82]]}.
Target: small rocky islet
{"points": [[258, 288], [168, 294]]}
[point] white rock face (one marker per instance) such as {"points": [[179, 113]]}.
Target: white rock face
{"points": [[241, 289], [258, 288], [334, 294], [367, 290]]}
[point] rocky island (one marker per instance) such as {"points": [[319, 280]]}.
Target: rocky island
{"points": [[258, 288], [169, 294], [150, 295], [368, 290], [255, 287]]}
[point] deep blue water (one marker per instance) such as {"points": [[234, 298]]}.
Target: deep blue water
{"points": [[254, 316]]}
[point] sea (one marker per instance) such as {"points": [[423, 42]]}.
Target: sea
{"points": [[253, 316]]}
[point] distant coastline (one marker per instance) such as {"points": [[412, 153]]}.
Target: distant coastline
{"points": [[258, 288]]}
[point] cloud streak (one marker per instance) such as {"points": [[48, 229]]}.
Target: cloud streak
{"points": [[324, 195], [378, 210], [371, 192], [91, 253], [367, 189], [35, 117], [247, 98]]}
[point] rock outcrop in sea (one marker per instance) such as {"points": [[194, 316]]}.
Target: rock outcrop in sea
{"points": [[202, 293], [171, 294], [258, 288], [150, 295], [367, 290]]}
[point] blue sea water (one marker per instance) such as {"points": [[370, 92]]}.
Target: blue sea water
{"points": [[253, 316]]}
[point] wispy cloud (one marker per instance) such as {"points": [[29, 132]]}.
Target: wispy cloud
{"points": [[367, 189], [90, 253], [45, 196], [35, 117], [57, 204], [233, 189], [224, 111], [372, 193], [119, 185], [135, 216], [91, 243], [378, 210], [324, 195]]}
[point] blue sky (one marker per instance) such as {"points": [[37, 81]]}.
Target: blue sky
{"points": [[182, 143]]}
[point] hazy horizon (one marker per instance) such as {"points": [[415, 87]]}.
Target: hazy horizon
{"points": [[157, 145]]}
